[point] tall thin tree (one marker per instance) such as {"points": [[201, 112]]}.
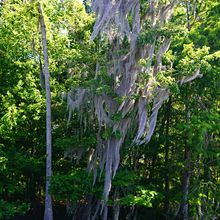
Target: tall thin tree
{"points": [[48, 213]]}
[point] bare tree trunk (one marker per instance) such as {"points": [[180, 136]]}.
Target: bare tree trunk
{"points": [[48, 213], [166, 160], [183, 211]]}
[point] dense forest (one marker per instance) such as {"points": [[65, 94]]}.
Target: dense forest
{"points": [[110, 109]]}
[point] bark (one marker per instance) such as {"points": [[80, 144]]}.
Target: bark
{"points": [[183, 211], [188, 16], [105, 213], [116, 212], [48, 213], [167, 150]]}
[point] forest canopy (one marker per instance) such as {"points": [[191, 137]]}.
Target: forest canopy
{"points": [[109, 109]]}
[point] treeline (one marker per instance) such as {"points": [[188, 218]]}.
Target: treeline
{"points": [[174, 176]]}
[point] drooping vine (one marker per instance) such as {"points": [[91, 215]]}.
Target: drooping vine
{"points": [[135, 75]]}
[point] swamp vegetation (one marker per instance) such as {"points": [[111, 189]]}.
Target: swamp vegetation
{"points": [[110, 109]]}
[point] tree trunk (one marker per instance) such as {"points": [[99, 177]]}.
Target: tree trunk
{"points": [[183, 211], [166, 160], [48, 213]]}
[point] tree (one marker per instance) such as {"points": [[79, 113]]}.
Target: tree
{"points": [[22, 110], [48, 214], [174, 174], [137, 79]]}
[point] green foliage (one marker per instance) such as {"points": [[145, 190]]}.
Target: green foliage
{"points": [[165, 79], [191, 120], [11, 209], [193, 59], [125, 178], [136, 194], [73, 186], [143, 197], [22, 109], [150, 35]]}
